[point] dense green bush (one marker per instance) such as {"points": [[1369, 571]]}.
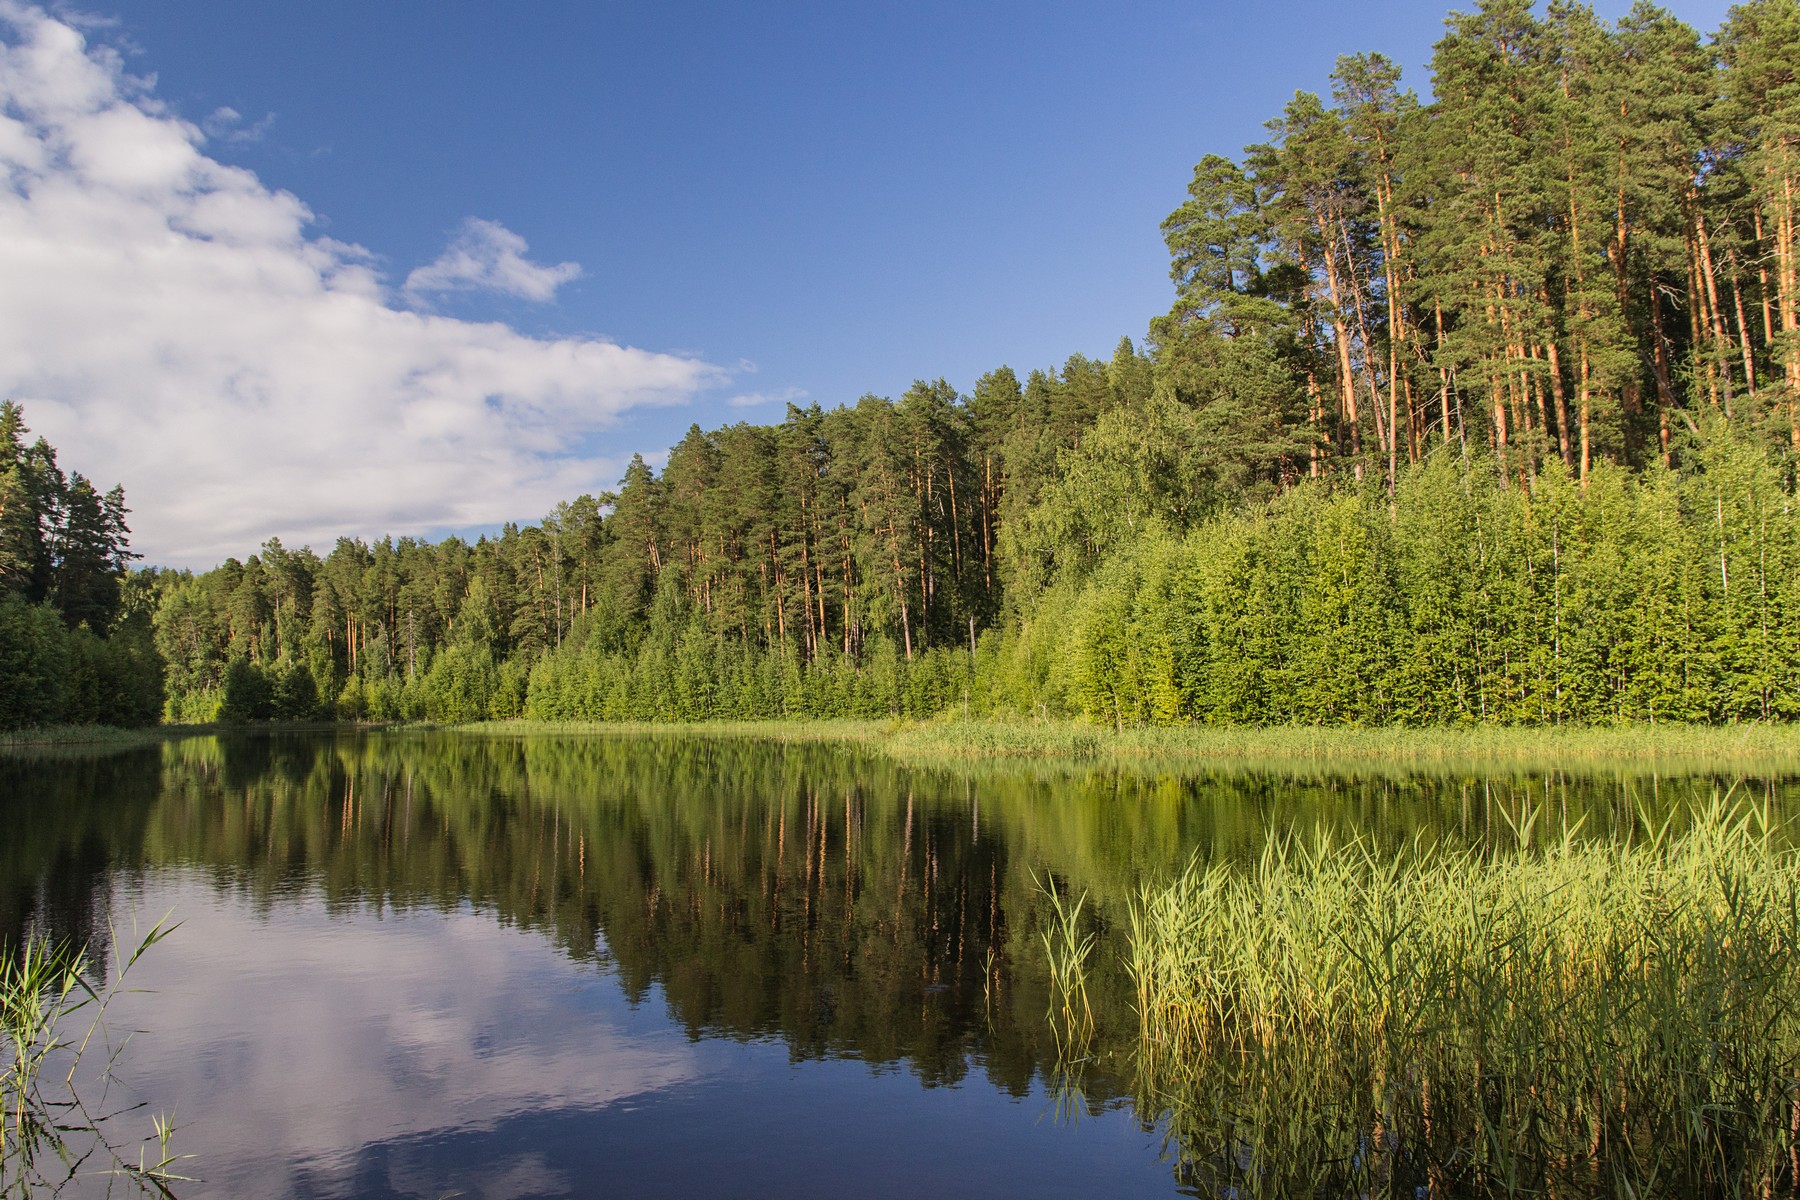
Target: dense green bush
{"points": [[1636, 598], [53, 675]]}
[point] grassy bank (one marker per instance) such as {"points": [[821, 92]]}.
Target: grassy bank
{"points": [[90, 736], [1586, 1019], [867, 733], [1747, 749], [1677, 746], [1635, 749]]}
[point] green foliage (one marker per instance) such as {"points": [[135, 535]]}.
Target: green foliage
{"points": [[1594, 1019], [34, 654], [1653, 598], [75, 647], [1477, 410], [249, 695], [53, 675], [51, 1018]]}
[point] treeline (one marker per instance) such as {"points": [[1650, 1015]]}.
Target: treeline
{"points": [[1411, 342], [816, 550], [75, 631], [1665, 597]]}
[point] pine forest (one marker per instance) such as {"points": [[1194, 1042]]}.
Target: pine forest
{"points": [[1478, 409]]}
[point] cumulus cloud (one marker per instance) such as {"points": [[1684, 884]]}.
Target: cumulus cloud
{"points": [[172, 323], [487, 256]]}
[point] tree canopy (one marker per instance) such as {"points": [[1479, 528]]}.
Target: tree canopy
{"points": [[1481, 408], [75, 636]]}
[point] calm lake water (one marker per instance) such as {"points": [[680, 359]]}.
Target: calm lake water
{"points": [[432, 964]]}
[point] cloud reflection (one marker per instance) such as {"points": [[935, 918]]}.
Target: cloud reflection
{"points": [[319, 1034]]}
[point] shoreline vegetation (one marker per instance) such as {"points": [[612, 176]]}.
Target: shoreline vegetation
{"points": [[1577, 1018], [1751, 749], [100, 736], [1747, 748], [58, 1125]]}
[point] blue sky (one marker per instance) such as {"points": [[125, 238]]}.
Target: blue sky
{"points": [[806, 200]]}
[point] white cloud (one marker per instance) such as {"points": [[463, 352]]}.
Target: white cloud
{"points": [[792, 395], [487, 256], [226, 124], [170, 323]]}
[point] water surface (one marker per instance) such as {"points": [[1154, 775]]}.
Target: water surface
{"points": [[433, 964]]}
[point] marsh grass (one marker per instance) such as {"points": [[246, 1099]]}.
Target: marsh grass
{"points": [[1068, 946], [848, 730], [85, 739], [1579, 1018], [55, 1122], [1681, 749], [1765, 751]]}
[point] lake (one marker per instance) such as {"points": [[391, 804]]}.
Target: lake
{"points": [[425, 964]]}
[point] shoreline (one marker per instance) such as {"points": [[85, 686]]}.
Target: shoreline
{"points": [[1645, 749], [1639, 749]]}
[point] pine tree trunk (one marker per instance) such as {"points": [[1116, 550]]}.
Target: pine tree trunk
{"points": [[1659, 364], [1562, 403], [1437, 307], [1397, 332], [1583, 398], [1385, 431], [1737, 301], [1720, 337], [1698, 321], [1340, 337], [900, 589], [1788, 285], [1762, 276], [1619, 253]]}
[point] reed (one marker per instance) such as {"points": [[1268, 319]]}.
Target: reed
{"points": [[846, 730], [1573, 1019], [54, 1119], [1684, 749], [1068, 946], [83, 737], [1759, 750]]}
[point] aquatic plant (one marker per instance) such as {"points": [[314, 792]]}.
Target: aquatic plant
{"points": [[1765, 749], [52, 1127], [1582, 1018], [1067, 948]]}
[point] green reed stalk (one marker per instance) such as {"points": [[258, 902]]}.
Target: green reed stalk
{"points": [[1067, 948], [1578, 1019], [50, 1017]]}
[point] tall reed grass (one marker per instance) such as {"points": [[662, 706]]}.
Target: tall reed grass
{"points": [[1761, 750], [55, 1123], [1578, 1019], [83, 738], [1068, 945], [1755, 749]]}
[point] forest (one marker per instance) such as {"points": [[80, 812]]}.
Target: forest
{"points": [[1481, 408], [77, 645]]}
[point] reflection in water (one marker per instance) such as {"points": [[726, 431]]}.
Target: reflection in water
{"points": [[70, 820], [412, 963], [319, 1035]]}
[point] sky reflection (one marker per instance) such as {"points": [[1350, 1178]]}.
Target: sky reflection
{"points": [[376, 1052], [288, 1041]]}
